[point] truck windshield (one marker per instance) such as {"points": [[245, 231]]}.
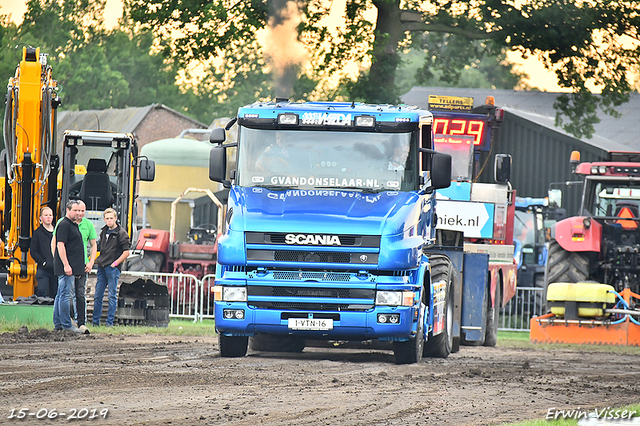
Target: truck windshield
{"points": [[316, 159]]}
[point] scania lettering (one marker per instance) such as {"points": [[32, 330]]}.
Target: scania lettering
{"points": [[329, 230], [325, 240]]}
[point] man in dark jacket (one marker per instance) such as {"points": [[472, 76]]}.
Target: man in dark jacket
{"points": [[68, 262], [114, 249]]}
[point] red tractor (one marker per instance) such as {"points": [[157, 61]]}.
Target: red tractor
{"points": [[592, 275], [158, 251]]}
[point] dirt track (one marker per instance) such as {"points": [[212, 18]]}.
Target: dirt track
{"points": [[176, 380]]}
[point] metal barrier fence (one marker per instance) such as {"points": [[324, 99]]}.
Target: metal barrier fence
{"points": [[528, 302], [192, 298], [206, 301]]}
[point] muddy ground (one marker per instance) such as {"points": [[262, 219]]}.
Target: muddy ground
{"points": [[177, 380]]}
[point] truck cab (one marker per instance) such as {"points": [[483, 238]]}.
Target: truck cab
{"points": [[330, 208]]}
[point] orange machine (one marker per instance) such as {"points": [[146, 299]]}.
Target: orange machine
{"points": [[28, 161], [619, 325]]}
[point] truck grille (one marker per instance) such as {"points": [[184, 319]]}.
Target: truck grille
{"points": [[342, 298], [302, 256], [316, 276], [372, 241], [310, 256]]}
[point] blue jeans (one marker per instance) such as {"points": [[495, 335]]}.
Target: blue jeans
{"points": [[107, 278], [61, 316], [78, 300]]}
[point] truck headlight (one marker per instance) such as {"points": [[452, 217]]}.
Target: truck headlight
{"points": [[389, 298], [230, 294], [394, 298]]}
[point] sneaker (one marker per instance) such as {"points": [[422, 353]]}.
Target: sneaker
{"points": [[73, 329], [58, 329], [83, 329]]}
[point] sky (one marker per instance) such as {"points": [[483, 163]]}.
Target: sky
{"points": [[538, 76]]}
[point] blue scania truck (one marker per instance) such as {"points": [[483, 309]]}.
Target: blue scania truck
{"points": [[330, 231]]}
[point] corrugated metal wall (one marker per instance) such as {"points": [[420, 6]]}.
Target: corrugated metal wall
{"points": [[540, 156]]}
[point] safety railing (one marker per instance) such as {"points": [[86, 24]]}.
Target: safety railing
{"points": [[527, 302], [192, 298], [206, 299]]}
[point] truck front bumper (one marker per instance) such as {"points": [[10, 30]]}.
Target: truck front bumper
{"points": [[345, 325]]}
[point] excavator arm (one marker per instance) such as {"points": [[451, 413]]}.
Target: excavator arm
{"points": [[30, 164]]}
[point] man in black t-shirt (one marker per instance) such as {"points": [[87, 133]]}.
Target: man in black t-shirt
{"points": [[68, 262]]}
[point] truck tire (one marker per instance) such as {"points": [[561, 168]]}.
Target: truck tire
{"points": [[493, 316], [233, 346], [564, 266], [276, 343], [410, 351], [441, 345]]}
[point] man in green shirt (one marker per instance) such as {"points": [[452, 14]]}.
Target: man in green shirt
{"points": [[89, 236]]}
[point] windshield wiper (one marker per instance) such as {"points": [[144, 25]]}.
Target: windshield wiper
{"points": [[275, 187], [364, 190]]}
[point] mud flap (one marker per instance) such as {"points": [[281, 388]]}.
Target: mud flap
{"points": [[143, 302], [474, 289]]}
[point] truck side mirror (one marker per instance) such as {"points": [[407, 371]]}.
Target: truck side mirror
{"points": [[502, 168], [217, 136], [440, 170], [555, 198], [218, 164], [147, 170]]}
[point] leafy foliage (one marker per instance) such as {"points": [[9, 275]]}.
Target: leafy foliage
{"points": [[580, 41], [149, 58]]}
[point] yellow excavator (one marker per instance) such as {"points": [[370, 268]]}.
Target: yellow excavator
{"points": [[100, 167], [29, 165]]}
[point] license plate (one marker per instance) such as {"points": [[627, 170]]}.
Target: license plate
{"points": [[310, 324]]}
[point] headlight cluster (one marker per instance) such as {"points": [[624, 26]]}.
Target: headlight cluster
{"points": [[388, 318], [394, 298], [229, 294]]}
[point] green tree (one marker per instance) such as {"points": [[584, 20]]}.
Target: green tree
{"points": [[98, 68], [579, 41]]}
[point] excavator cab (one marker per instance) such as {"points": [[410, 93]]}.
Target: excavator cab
{"points": [[110, 163]]}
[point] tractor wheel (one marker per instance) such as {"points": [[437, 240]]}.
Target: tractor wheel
{"points": [[147, 261], [493, 316], [276, 343], [233, 346], [441, 345], [564, 266], [410, 351]]}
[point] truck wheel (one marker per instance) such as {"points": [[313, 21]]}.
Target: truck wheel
{"points": [[410, 351], [441, 345], [493, 316], [273, 343], [564, 266], [233, 346]]}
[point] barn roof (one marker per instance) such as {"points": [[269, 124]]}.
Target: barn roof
{"points": [[610, 134], [125, 120]]}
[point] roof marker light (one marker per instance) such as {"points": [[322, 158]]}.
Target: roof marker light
{"points": [[365, 121], [288, 119]]}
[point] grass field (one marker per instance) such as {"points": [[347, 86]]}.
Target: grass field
{"points": [[574, 422]]}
